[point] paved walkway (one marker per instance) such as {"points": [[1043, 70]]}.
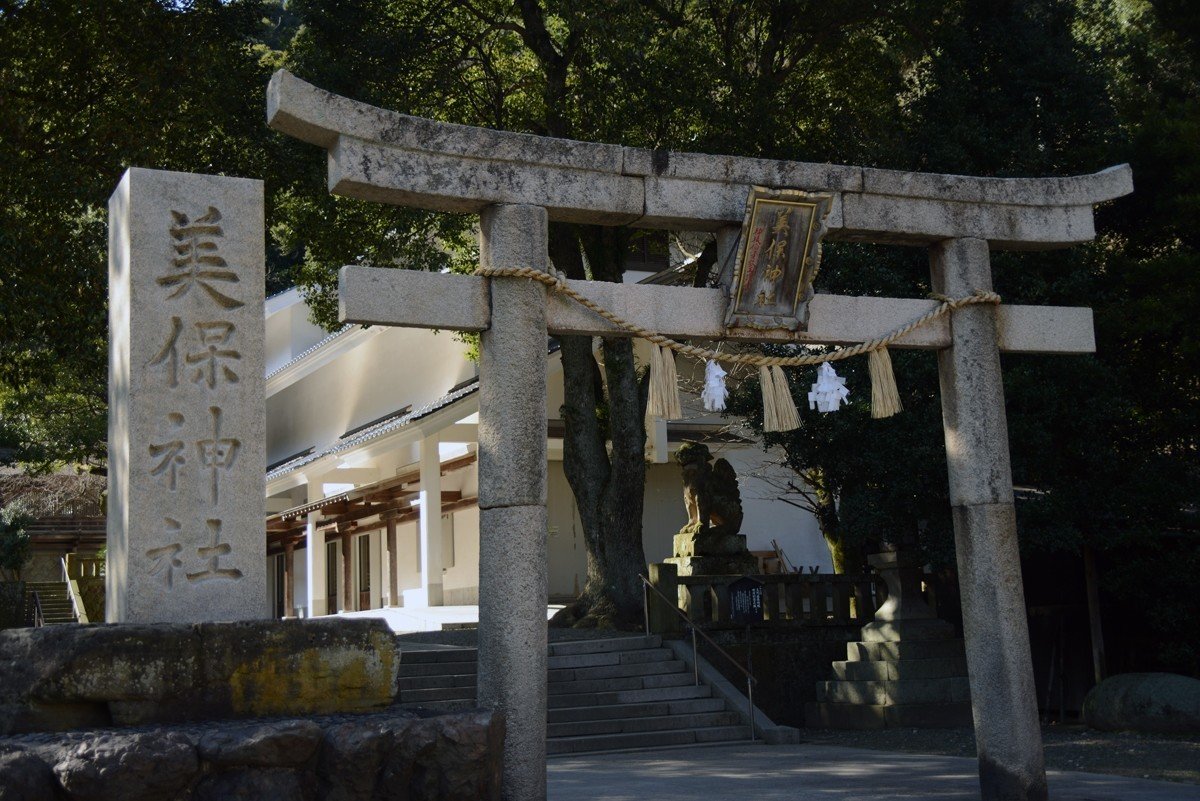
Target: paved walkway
{"points": [[813, 773], [408, 619]]}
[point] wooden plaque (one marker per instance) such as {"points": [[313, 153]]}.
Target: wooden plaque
{"points": [[777, 259]]}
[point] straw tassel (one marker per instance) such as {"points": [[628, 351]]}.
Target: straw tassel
{"points": [[785, 408], [664, 386], [779, 410], [770, 415], [885, 397], [670, 385], [656, 401]]}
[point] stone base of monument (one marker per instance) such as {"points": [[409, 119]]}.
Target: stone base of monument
{"points": [[59, 678], [908, 670], [728, 565]]}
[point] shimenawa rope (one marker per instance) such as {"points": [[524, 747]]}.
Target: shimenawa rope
{"points": [[885, 397]]}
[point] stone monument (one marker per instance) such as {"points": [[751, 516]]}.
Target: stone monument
{"points": [[186, 425], [710, 543]]}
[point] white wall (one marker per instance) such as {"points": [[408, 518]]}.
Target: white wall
{"points": [[395, 368]]}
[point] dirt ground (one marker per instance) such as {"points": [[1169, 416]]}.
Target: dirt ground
{"points": [[1067, 747]]}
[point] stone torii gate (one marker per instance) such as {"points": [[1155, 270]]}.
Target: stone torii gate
{"points": [[517, 183]]}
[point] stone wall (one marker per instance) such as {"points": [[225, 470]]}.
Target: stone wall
{"points": [[66, 677], [389, 755], [12, 604], [788, 663]]}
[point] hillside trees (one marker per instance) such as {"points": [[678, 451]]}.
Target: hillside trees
{"points": [[87, 90]]}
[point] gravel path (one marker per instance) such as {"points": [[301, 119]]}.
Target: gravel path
{"points": [[1070, 747]]}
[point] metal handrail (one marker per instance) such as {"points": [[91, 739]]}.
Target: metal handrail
{"points": [[39, 619], [694, 629]]}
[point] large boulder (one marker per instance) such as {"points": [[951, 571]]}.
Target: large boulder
{"points": [[146, 766], [69, 677], [384, 756], [1157, 703], [24, 776]]}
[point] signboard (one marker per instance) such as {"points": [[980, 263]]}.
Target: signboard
{"points": [[746, 600], [777, 260]]}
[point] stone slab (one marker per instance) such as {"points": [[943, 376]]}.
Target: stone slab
{"points": [[416, 299], [63, 677], [314, 115], [898, 670], [381, 173], [373, 296], [186, 435], [948, 690], [1074, 190], [890, 218], [914, 630]]}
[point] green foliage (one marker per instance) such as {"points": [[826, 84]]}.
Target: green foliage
{"points": [[15, 547], [88, 90]]}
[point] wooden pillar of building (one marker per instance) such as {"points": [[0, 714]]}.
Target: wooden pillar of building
{"points": [[289, 579], [347, 569], [393, 572]]}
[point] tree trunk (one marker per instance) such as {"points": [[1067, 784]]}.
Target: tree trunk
{"points": [[608, 488]]}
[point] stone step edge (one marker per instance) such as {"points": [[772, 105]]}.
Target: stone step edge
{"points": [[583, 739], [706, 744]]}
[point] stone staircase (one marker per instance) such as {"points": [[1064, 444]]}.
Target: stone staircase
{"points": [[909, 670], [921, 684], [604, 695], [55, 599]]}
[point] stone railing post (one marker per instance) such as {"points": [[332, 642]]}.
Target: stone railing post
{"points": [[512, 495], [665, 578], [1007, 733]]}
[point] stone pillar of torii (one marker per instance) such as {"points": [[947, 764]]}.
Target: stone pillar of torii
{"points": [[518, 183]]}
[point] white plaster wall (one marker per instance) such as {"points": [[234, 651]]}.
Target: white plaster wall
{"points": [[394, 368], [760, 477], [461, 581], [408, 556], [288, 330], [566, 548], [300, 577]]}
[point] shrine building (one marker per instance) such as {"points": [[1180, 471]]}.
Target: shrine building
{"points": [[371, 426]]}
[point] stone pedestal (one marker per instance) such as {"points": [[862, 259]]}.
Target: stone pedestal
{"points": [[908, 669], [733, 565], [186, 426]]}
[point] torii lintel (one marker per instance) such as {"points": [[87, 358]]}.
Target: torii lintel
{"points": [[385, 156]]}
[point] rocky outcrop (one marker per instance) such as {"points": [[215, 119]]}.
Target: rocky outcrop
{"points": [[1155, 703], [389, 755], [65, 677]]}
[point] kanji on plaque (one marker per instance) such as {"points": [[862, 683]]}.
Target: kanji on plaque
{"points": [[197, 261], [777, 260]]}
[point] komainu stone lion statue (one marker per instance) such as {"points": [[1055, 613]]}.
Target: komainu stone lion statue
{"points": [[710, 542]]}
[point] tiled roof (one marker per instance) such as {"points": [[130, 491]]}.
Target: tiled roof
{"points": [[310, 350], [374, 431]]}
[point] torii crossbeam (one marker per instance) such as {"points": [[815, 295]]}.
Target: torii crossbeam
{"points": [[517, 183]]}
